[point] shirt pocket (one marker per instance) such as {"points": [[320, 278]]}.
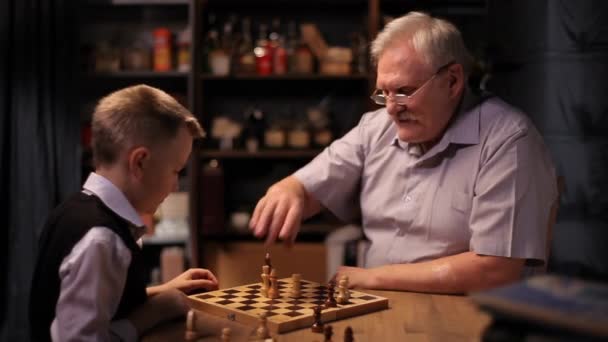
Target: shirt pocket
{"points": [[461, 201]]}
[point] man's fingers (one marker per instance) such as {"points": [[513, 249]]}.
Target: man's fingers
{"points": [[265, 219], [277, 222], [290, 227], [256, 213]]}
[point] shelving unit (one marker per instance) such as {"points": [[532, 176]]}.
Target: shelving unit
{"points": [[245, 176]]}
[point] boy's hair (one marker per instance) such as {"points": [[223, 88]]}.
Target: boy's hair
{"points": [[436, 40], [137, 115]]}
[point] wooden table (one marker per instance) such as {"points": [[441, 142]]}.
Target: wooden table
{"points": [[410, 317]]}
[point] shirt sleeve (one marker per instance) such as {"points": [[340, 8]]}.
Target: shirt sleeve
{"points": [[92, 279], [514, 192], [334, 176]]}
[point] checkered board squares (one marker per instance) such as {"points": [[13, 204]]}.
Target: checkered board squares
{"points": [[245, 303]]}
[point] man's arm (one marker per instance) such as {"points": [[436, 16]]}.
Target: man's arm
{"points": [[458, 273]]}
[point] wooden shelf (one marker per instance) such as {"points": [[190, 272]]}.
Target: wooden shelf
{"points": [[126, 74], [262, 154], [287, 77], [138, 2]]}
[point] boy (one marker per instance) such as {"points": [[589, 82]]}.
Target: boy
{"points": [[89, 281]]}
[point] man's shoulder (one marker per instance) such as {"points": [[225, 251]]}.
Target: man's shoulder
{"points": [[377, 126], [499, 116]]}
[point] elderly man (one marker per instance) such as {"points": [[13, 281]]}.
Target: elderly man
{"points": [[453, 190]]}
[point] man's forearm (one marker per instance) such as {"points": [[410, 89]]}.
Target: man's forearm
{"points": [[459, 273]]}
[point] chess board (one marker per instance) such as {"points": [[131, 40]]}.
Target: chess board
{"points": [[244, 304]]}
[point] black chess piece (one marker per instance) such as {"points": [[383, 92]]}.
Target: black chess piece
{"points": [[348, 334], [317, 325], [328, 332], [330, 302]]}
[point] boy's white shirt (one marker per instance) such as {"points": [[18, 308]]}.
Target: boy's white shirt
{"points": [[94, 272]]}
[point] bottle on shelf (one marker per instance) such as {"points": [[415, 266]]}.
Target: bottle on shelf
{"points": [[183, 50], [246, 58], [254, 129], [263, 53], [277, 49], [304, 59]]}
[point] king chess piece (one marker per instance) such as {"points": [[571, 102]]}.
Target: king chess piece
{"points": [[273, 291]]}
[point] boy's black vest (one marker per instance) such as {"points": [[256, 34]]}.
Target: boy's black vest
{"points": [[65, 227]]}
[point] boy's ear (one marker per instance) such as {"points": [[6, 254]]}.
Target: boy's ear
{"points": [[138, 159]]}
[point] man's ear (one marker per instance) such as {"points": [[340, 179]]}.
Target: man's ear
{"points": [[456, 80], [138, 160]]}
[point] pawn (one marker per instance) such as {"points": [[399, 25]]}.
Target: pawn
{"points": [[348, 334], [191, 333], [328, 332], [225, 335], [262, 330], [330, 302], [317, 325]]}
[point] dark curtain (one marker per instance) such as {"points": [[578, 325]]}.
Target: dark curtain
{"points": [[550, 58], [39, 144]]}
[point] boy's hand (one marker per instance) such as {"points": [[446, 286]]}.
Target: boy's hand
{"points": [[193, 279]]}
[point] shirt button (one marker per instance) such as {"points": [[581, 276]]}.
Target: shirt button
{"points": [[408, 198]]}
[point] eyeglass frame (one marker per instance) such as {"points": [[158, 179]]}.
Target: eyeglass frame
{"points": [[402, 99]]}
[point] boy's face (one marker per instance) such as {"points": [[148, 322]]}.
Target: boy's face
{"points": [[161, 170]]}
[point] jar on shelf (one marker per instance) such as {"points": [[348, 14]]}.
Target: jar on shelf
{"points": [[298, 136], [162, 49], [274, 137]]}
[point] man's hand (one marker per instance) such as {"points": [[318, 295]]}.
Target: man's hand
{"points": [[279, 213], [192, 279]]}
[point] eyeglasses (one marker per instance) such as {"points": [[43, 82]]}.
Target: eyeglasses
{"points": [[380, 97]]}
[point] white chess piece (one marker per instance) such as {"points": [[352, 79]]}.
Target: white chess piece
{"points": [[296, 280], [343, 292]]}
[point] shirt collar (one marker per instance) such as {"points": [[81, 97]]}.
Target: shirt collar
{"points": [[464, 129], [114, 199]]}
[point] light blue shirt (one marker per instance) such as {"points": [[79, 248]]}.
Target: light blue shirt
{"points": [[94, 274], [487, 186]]}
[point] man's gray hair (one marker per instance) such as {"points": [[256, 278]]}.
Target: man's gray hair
{"points": [[436, 41]]}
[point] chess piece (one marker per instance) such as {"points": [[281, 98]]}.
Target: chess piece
{"points": [[296, 284], [191, 333], [267, 260], [348, 334], [262, 330], [273, 291], [343, 292], [328, 332], [330, 302], [317, 325], [225, 335], [265, 280]]}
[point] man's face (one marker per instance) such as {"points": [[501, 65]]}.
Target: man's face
{"points": [[161, 173], [424, 116]]}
